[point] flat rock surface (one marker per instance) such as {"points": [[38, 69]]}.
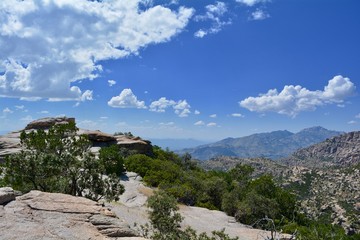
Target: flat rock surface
{"points": [[39, 215]]}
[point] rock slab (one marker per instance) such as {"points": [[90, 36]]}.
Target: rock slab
{"points": [[40, 215]]}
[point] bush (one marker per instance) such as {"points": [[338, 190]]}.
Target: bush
{"points": [[113, 161], [59, 161]]}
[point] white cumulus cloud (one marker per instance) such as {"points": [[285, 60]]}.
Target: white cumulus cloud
{"points": [[237, 115], [259, 15], [161, 105], [251, 3], [47, 47], [295, 99], [111, 82], [215, 15], [357, 116], [213, 116], [126, 99], [181, 107]]}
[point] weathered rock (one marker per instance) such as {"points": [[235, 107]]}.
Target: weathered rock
{"points": [[98, 136], [46, 123], [39, 215], [111, 226], [10, 143], [136, 144], [7, 194]]}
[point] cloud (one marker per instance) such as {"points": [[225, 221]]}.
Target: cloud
{"points": [[214, 14], [167, 124], [357, 116], [212, 124], [7, 110], [181, 107], [199, 123], [352, 122], [251, 3], [196, 112], [111, 82], [46, 59], [295, 99], [19, 107], [213, 116], [161, 105], [237, 115], [126, 99], [44, 112], [259, 15]]}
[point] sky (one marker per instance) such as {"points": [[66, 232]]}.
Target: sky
{"points": [[178, 69]]}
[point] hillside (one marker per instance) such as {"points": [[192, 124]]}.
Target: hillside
{"points": [[343, 150], [325, 177], [273, 145]]}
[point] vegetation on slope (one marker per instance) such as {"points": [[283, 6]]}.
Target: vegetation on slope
{"points": [[58, 160]]}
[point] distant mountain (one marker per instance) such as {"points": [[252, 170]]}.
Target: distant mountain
{"points": [[325, 176], [342, 150], [274, 145], [177, 144]]}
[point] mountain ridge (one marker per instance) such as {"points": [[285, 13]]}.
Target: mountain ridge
{"points": [[274, 145]]}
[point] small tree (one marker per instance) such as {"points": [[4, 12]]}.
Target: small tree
{"points": [[165, 222], [112, 159], [164, 216], [58, 160]]}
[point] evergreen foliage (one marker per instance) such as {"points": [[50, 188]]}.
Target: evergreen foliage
{"points": [[165, 221], [58, 160]]}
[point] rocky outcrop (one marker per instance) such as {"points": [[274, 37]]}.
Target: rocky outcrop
{"points": [[10, 143], [343, 150], [40, 215], [46, 123], [134, 143]]}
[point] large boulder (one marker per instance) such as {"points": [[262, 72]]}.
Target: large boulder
{"points": [[40, 215], [46, 123], [135, 143]]}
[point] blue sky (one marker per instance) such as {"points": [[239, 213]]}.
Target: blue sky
{"points": [[181, 69]]}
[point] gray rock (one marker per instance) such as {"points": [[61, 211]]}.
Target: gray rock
{"points": [[6, 195], [112, 227], [46, 123], [39, 215]]}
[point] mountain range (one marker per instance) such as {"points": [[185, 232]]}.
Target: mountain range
{"points": [[273, 145], [324, 176]]}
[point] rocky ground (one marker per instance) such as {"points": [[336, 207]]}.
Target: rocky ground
{"points": [[131, 207], [39, 215]]}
